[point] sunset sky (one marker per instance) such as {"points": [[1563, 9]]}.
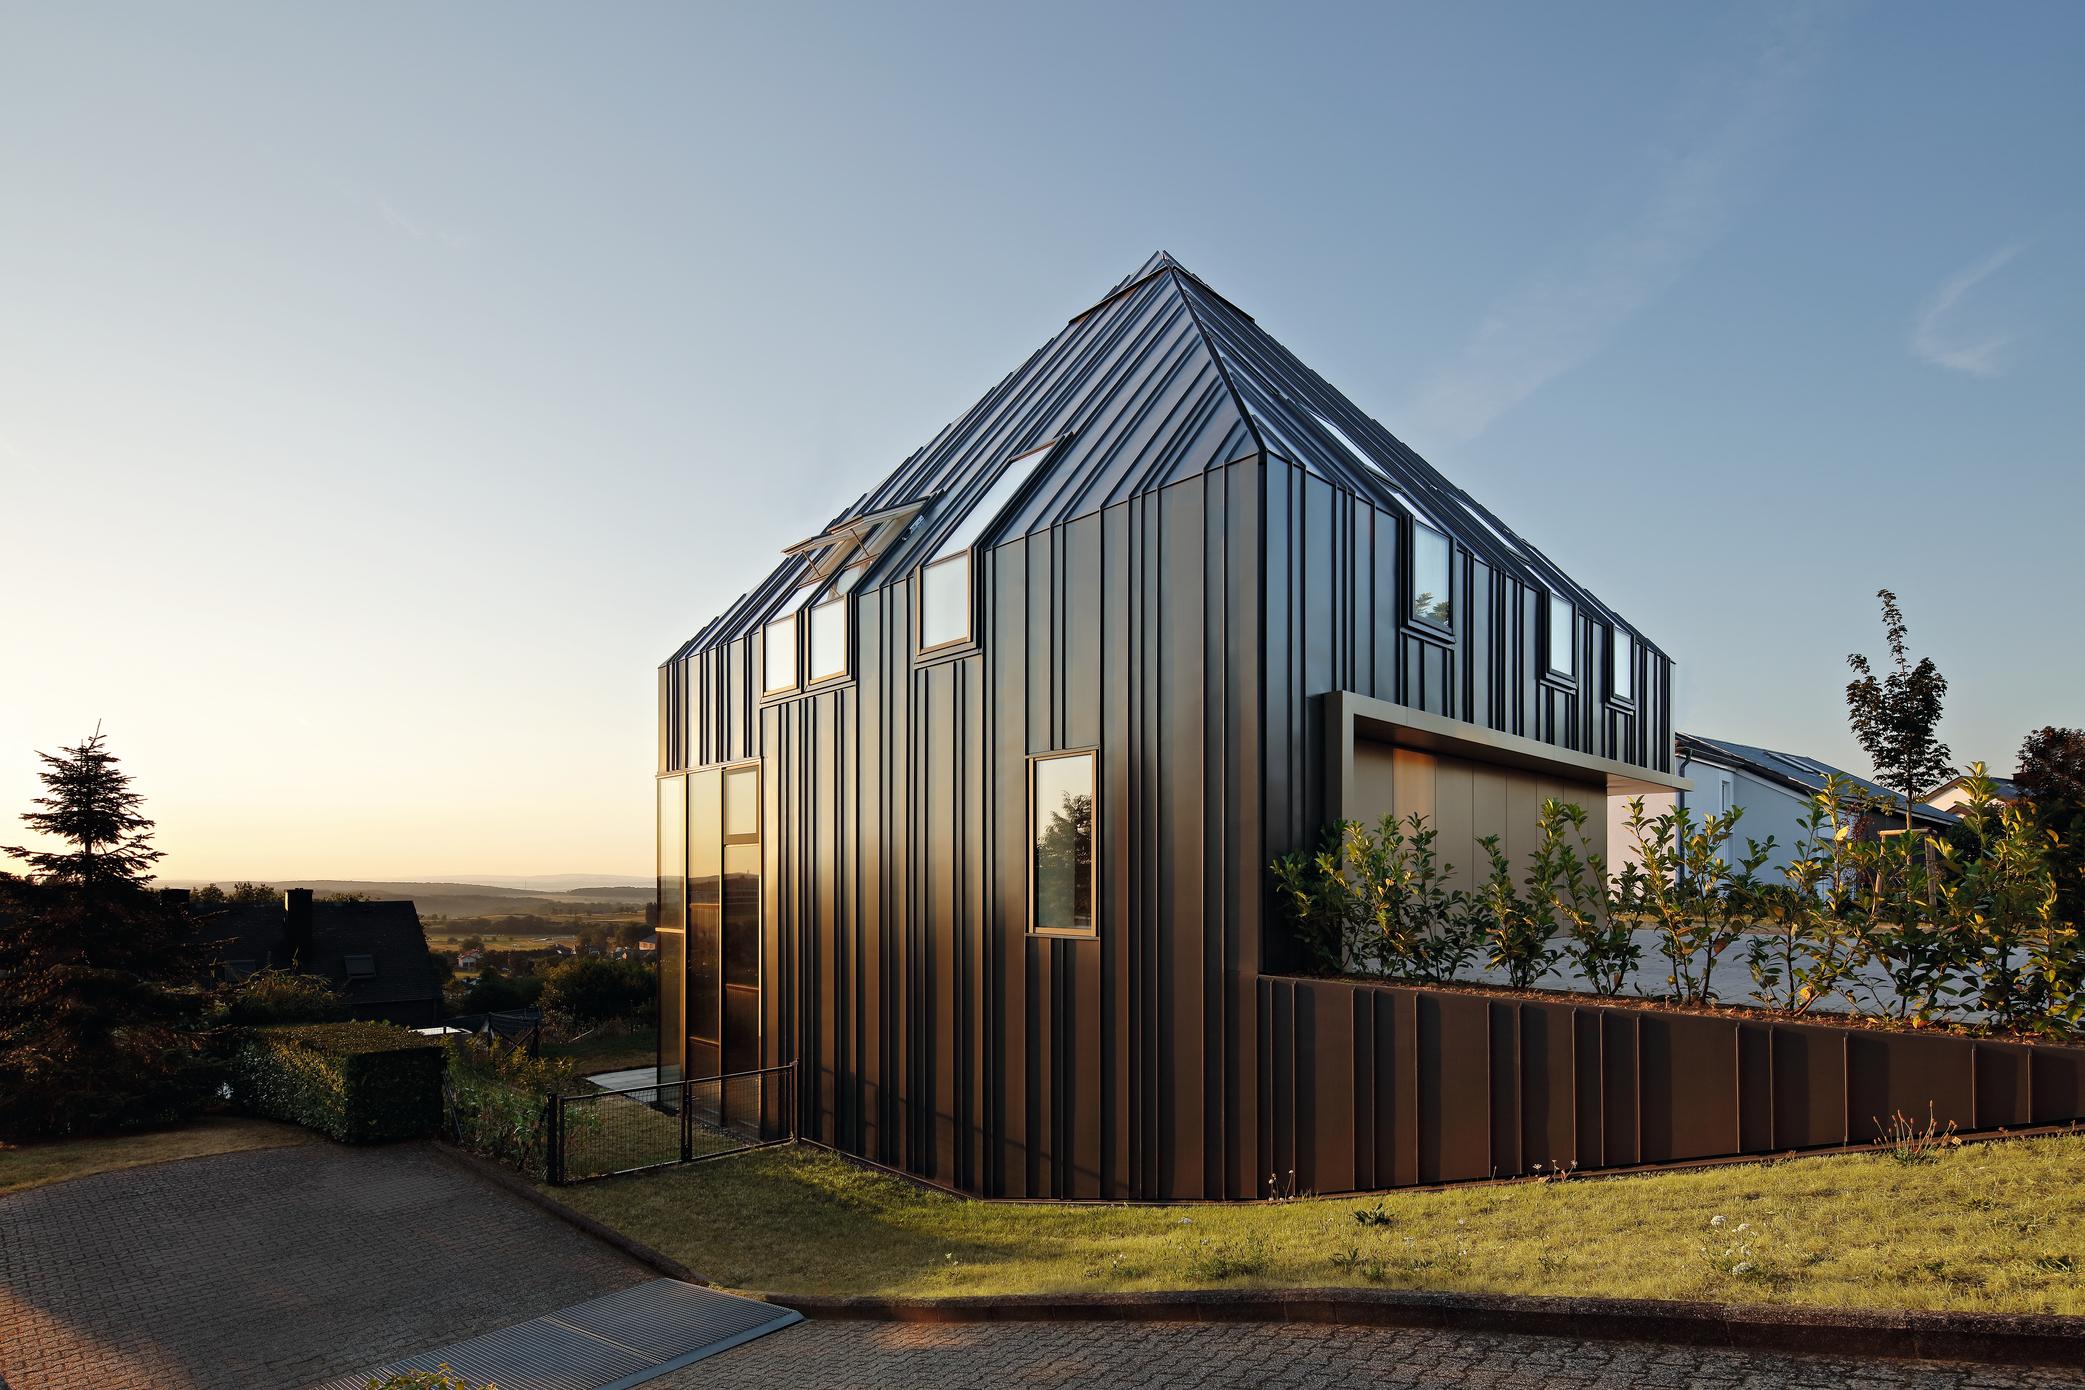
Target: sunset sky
{"points": [[385, 390]]}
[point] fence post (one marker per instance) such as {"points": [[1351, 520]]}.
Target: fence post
{"points": [[794, 1064], [554, 1161], [687, 1109]]}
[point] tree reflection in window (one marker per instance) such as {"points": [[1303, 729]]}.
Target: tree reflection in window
{"points": [[1433, 598], [1061, 822]]}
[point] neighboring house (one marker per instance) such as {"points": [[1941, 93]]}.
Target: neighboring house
{"points": [[374, 953], [1775, 792], [967, 808], [1953, 794]]}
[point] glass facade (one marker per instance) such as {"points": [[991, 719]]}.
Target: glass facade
{"points": [[1433, 596], [673, 903], [705, 921], [1060, 826]]}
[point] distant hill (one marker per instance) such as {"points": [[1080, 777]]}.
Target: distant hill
{"points": [[468, 899]]}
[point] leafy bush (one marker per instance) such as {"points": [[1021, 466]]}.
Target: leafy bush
{"points": [[1378, 900], [443, 1379], [280, 996], [1517, 927], [493, 993], [1695, 891], [360, 1083], [591, 990], [493, 1101]]}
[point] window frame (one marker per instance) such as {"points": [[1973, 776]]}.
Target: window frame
{"points": [[1617, 637], [796, 654], [1091, 933], [919, 604], [1564, 675], [811, 612], [1412, 617]]}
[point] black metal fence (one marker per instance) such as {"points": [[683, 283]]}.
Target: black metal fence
{"points": [[603, 1133]]}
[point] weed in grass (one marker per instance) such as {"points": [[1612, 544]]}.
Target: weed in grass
{"points": [[2056, 1264], [1730, 1254], [1905, 1142], [1376, 1215], [1215, 1258]]}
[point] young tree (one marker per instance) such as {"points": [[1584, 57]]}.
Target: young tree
{"points": [[2052, 775], [100, 971], [1895, 716]]}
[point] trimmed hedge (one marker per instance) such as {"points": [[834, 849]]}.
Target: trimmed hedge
{"points": [[360, 1083]]}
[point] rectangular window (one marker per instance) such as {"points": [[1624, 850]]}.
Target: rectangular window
{"points": [[944, 602], [673, 900], [1562, 636], [829, 640], [1433, 599], [1623, 681], [780, 668], [741, 804], [1061, 826]]}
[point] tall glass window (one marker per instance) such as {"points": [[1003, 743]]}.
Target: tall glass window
{"points": [[780, 660], [1563, 644], [705, 921], [1433, 598], [944, 601], [673, 904], [741, 919], [829, 640], [1061, 831], [1623, 681]]}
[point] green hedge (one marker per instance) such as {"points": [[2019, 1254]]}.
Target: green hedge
{"points": [[360, 1083]]}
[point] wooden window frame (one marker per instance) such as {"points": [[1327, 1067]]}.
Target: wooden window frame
{"points": [[1092, 933], [796, 664], [919, 604], [809, 611]]}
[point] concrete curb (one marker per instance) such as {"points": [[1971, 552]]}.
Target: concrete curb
{"points": [[2005, 1339]]}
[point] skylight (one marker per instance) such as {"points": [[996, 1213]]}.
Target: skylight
{"points": [[987, 508], [1345, 443]]}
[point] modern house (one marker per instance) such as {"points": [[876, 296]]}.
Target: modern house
{"points": [[966, 808], [374, 953], [1953, 794], [1774, 791]]}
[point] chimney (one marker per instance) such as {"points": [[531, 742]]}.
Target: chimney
{"points": [[296, 928]]}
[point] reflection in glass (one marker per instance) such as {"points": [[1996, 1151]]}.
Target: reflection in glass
{"points": [[742, 803], [741, 914], [1561, 627], [944, 601], [705, 908], [781, 654], [829, 640], [1433, 600], [1624, 665], [672, 900], [1061, 821]]}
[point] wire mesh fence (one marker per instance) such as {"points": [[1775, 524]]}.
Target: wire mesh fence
{"points": [[604, 1132]]}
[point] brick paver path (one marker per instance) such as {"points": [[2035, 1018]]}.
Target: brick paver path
{"points": [[273, 1269], [843, 1355]]}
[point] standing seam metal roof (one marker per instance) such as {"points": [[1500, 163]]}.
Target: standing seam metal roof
{"points": [[1161, 379]]}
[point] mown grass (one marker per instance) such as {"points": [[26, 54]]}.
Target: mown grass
{"points": [[608, 1049], [33, 1165], [1987, 1227]]}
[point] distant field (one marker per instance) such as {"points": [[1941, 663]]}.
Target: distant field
{"points": [[600, 903], [446, 941]]}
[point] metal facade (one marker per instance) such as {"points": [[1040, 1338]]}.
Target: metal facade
{"points": [[1194, 570]]}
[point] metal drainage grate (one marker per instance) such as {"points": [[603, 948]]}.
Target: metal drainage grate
{"points": [[608, 1343]]}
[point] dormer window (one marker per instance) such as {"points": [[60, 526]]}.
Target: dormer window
{"points": [[1433, 598], [1562, 636], [829, 639], [946, 582], [1621, 683]]}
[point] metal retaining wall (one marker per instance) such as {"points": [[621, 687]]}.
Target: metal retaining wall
{"points": [[1374, 1086]]}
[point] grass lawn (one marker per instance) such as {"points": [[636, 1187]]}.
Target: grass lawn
{"points": [[1989, 1227], [33, 1165]]}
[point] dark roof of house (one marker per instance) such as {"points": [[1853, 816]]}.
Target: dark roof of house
{"points": [[388, 933], [1804, 775], [1162, 379]]}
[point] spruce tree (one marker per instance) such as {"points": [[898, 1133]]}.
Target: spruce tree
{"points": [[101, 972]]}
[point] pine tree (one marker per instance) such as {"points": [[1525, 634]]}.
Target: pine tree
{"points": [[1895, 716], [101, 972]]}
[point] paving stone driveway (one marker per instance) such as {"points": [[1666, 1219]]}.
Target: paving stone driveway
{"points": [[273, 1269], [845, 1355], [276, 1269]]}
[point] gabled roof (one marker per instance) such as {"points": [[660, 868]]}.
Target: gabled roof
{"points": [[2005, 788], [399, 969], [1802, 775], [1161, 379]]}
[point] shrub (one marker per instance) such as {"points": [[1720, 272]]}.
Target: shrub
{"points": [[493, 1100], [280, 996], [1378, 900], [442, 1379], [360, 1083], [592, 990], [1695, 890], [493, 992], [1601, 945]]}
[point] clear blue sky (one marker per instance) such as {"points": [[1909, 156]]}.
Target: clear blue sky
{"points": [[386, 390]]}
